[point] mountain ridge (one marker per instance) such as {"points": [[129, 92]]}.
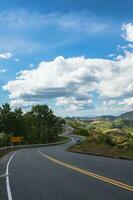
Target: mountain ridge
{"points": [[125, 116]]}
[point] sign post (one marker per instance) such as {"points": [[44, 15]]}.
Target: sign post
{"points": [[16, 139]]}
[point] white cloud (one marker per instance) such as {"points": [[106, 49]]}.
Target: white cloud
{"points": [[20, 102], [111, 55], [58, 78], [73, 81], [21, 23], [118, 82], [77, 84], [5, 55], [75, 104], [127, 102], [3, 70], [128, 32], [81, 21], [17, 59]]}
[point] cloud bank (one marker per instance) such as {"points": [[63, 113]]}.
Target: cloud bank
{"points": [[78, 83]]}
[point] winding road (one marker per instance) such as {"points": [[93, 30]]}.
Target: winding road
{"points": [[52, 173]]}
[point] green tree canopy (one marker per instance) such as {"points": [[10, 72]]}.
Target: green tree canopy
{"points": [[38, 125]]}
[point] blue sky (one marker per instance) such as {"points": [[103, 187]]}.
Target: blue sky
{"points": [[67, 54]]}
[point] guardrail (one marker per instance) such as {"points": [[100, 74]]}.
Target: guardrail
{"points": [[10, 148], [4, 148], [67, 132]]}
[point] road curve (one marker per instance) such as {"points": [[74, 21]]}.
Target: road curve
{"points": [[53, 173]]}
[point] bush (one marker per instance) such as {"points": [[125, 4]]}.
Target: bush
{"points": [[81, 131], [91, 130], [107, 139], [5, 140]]}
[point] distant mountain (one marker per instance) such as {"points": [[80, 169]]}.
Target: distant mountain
{"points": [[103, 117], [106, 117], [127, 116]]}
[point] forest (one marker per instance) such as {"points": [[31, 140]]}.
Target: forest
{"points": [[36, 126]]}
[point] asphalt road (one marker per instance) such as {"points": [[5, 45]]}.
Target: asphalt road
{"points": [[52, 173]]}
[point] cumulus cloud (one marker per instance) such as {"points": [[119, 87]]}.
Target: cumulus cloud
{"points": [[75, 104], [127, 102], [20, 102], [5, 55], [128, 32], [119, 83], [77, 83], [74, 81], [58, 78]]}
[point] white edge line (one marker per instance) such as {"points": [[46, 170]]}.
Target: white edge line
{"points": [[9, 194]]}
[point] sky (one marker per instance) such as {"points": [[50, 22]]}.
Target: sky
{"points": [[75, 56]]}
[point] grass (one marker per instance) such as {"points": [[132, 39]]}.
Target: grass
{"points": [[105, 138], [89, 147], [62, 139]]}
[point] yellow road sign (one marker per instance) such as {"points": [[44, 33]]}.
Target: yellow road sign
{"points": [[16, 139]]}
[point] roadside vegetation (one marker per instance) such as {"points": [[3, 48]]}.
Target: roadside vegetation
{"points": [[112, 138], [37, 126], [61, 139]]}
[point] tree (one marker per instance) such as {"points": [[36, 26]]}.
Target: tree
{"points": [[31, 136], [6, 119], [18, 122], [36, 126], [44, 122]]}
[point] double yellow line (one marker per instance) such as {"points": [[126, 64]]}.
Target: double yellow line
{"points": [[85, 172]]}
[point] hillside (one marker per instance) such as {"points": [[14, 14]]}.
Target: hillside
{"points": [[102, 117], [124, 116], [127, 116], [105, 137]]}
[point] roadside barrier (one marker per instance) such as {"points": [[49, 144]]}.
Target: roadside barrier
{"points": [[10, 148]]}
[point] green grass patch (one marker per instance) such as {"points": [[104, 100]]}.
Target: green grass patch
{"points": [[101, 149], [62, 139], [106, 138]]}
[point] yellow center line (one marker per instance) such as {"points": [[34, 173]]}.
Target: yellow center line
{"points": [[85, 172]]}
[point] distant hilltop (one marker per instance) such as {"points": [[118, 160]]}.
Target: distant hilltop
{"points": [[124, 116], [127, 115]]}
